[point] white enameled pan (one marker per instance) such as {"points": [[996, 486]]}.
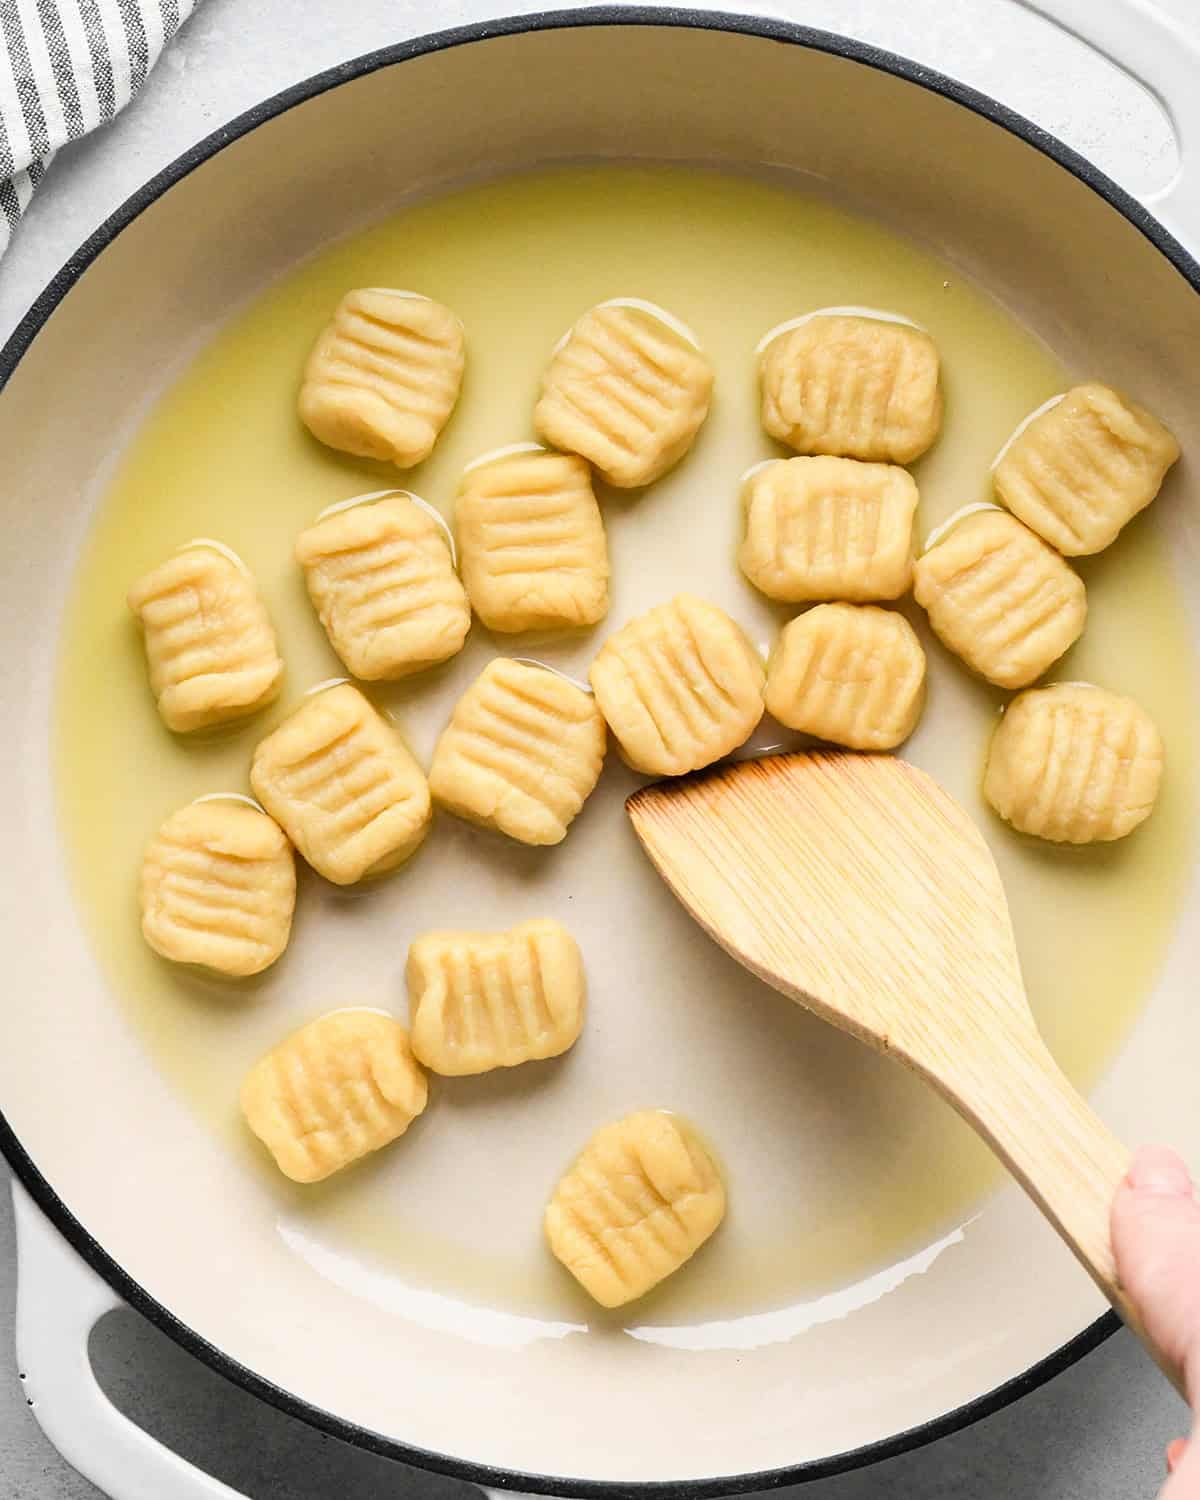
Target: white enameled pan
{"points": [[117, 1182]]}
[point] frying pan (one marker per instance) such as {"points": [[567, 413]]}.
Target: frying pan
{"points": [[121, 1195]]}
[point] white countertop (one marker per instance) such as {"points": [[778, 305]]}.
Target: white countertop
{"points": [[1098, 1431]]}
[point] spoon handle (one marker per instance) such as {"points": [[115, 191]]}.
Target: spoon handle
{"points": [[1008, 1087]]}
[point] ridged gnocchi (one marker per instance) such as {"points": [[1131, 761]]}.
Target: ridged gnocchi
{"points": [[218, 888], [1075, 764], [483, 1000], [853, 387], [521, 753], [638, 1203], [1000, 598], [627, 391], [1083, 468], [534, 552], [828, 528], [382, 580], [333, 1092], [853, 674], [210, 646], [679, 686], [343, 786], [384, 376]]}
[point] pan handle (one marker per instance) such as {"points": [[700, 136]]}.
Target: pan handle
{"points": [[60, 1300], [1163, 55]]}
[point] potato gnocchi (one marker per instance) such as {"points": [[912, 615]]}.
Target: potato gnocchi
{"points": [[343, 786], [534, 553], [638, 1203], [384, 376], [521, 753], [679, 686], [210, 646], [1075, 764], [333, 1092], [627, 390], [218, 888], [853, 674], [828, 528], [382, 580], [483, 1000], [853, 387], [1084, 467], [1000, 598]]}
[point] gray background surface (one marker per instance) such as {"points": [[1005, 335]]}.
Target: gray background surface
{"points": [[1098, 1431]]}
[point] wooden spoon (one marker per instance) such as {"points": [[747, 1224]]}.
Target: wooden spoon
{"points": [[857, 886]]}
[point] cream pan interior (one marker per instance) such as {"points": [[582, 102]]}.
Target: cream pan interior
{"points": [[76, 1086]]}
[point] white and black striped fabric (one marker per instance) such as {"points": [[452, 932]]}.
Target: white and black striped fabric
{"points": [[67, 66]]}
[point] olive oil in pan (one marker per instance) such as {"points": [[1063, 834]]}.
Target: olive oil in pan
{"points": [[839, 1163]]}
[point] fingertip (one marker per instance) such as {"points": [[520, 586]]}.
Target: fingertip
{"points": [[1159, 1172], [1175, 1452]]}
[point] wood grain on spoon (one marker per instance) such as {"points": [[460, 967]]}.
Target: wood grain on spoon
{"points": [[855, 885]]}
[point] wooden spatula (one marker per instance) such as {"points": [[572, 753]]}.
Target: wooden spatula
{"points": [[857, 886]]}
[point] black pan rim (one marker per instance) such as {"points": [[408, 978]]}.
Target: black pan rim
{"points": [[23, 1167]]}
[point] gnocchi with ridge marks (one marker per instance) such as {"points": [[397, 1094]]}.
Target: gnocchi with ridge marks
{"points": [[384, 376], [218, 888], [853, 674], [343, 786], [382, 580], [1000, 598], [627, 391], [1085, 467], [680, 687], [828, 528], [534, 553], [210, 646], [484, 1000], [852, 387], [521, 753], [333, 1092], [638, 1203], [1075, 764]]}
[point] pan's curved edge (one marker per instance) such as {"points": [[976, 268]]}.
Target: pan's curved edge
{"points": [[25, 1169], [195, 1344]]}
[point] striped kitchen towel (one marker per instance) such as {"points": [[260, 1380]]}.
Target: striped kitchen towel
{"points": [[67, 66]]}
